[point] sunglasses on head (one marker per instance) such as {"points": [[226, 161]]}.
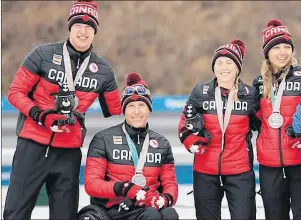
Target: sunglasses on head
{"points": [[139, 89]]}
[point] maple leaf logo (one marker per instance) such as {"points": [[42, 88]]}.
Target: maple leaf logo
{"points": [[223, 52], [286, 37], [160, 202], [85, 18]]}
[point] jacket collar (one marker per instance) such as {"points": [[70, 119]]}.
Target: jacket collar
{"points": [[74, 54], [134, 132], [242, 89]]}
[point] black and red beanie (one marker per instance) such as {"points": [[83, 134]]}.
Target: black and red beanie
{"points": [[133, 79], [275, 33], [235, 51], [84, 12]]}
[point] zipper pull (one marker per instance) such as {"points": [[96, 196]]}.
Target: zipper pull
{"points": [[46, 155], [220, 179], [283, 171], [77, 63], [138, 139]]}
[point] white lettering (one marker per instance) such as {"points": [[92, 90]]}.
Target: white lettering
{"points": [[238, 105], [50, 76], [61, 77], [275, 30], [126, 155], [292, 86]]}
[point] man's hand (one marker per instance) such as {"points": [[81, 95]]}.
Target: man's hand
{"points": [[126, 189], [49, 119], [126, 204], [154, 200]]}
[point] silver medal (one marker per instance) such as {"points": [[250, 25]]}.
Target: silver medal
{"points": [[139, 179], [275, 120]]}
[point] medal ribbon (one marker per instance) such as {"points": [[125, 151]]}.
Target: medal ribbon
{"points": [[276, 102], [223, 121], [68, 70], [138, 162]]}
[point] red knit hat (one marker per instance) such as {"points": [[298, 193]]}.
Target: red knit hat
{"points": [[135, 90], [85, 12], [275, 33], [235, 51]]}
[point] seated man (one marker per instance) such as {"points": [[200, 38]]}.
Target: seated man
{"points": [[127, 185]]}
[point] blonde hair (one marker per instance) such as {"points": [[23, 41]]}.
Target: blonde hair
{"points": [[236, 83], [267, 74]]}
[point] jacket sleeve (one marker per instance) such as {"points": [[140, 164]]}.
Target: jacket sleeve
{"points": [[256, 116], [186, 136], [109, 99], [168, 177], [24, 81], [297, 120], [95, 170]]}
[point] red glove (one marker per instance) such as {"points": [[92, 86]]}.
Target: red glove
{"points": [[126, 189], [195, 144], [153, 199], [50, 119]]}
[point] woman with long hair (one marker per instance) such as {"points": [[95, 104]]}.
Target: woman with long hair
{"points": [[278, 94], [216, 127]]}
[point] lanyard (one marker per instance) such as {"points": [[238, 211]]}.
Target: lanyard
{"points": [[68, 70], [138, 162]]}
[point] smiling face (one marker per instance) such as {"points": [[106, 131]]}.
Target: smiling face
{"points": [[136, 114], [81, 36], [280, 55], [225, 71]]}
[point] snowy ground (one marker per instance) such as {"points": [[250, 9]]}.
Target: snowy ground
{"points": [[184, 205]]}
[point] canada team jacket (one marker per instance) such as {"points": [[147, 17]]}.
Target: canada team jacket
{"points": [[38, 77], [236, 156], [109, 160], [274, 147]]}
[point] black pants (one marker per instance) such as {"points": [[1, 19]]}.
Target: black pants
{"points": [[279, 194], [31, 169], [240, 194], [144, 214]]}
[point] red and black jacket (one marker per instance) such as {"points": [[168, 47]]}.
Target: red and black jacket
{"points": [[39, 76], [236, 156], [109, 162], [274, 147]]}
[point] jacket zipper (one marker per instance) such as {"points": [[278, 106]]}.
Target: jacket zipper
{"points": [[220, 160], [50, 142], [77, 63], [223, 147], [280, 152]]}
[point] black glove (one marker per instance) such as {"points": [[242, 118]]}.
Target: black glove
{"points": [[193, 120], [48, 118], [126, 189], [291, 133], [126, 204]]}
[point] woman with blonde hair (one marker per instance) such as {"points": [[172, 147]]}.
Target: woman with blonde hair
{"points": [[278, 94], [216, 127]]}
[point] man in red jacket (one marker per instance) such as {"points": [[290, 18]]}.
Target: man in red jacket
{"points": [[48, 151], [129, 186]]}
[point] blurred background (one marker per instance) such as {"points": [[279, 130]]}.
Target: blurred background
{"points": [[170, 44]]}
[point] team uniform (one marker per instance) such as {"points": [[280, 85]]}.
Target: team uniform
{"points": [[278, 152], [126, 185], [223, 161], [43, 155]]}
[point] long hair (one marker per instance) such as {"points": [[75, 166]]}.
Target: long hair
{"points": [[267, 74], [236, 82]]}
